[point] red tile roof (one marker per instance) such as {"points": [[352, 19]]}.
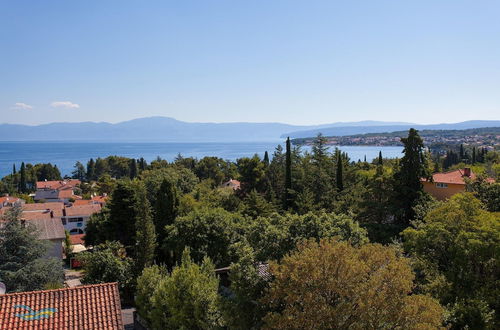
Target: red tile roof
{"points": [[94, 306], [9, 200], [82, 202], [63, 184], [77, 239], [68, 194], [235, 184], [454, 177], [85, 210], [49, 228], [56, 207], [100, 199]]}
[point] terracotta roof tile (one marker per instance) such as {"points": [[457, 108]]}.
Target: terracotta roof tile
{"points": [[100, 199], [454, 177], [94, 306], [77, 239], [86, 210], [56, 207], [82, 202], [62, 184], [9, 200]]}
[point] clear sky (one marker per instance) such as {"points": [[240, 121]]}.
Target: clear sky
{"points": [[299, 62]]}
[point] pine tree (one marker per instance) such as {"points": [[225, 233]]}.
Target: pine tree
{"points": [[23, 265], [380, 159], [304, 202], [288, 175], [339, 174], [122, 214], [22, 181], [79, 172], [91, 170]]}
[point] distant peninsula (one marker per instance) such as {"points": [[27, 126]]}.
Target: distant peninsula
{"points": [[488, 137]]}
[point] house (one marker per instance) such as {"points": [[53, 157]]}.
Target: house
{"points": [[234, 184], [48, 224], [49, 228], [75, 217], [444, 185], [95, 306], [56, 191], [8, 201]]}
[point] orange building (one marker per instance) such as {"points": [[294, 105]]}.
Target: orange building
{"points": [[444, 185]]}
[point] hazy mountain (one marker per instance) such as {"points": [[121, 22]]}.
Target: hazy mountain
{"points": [[164, 129]]}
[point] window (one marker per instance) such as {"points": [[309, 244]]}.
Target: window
{"points": [[75, 231], [75, 220], [63, 221], [441, 185]]}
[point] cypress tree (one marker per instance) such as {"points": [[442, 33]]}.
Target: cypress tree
{"points": [[288, 175], [166, 210], [473, 155], [266, 158], [91, 170], [14, 169], [22, 181], [142, 164], [365, 159], [412, 168], [380, 159], [145, 231], [340, 179], [462, 153], [132, 168]]}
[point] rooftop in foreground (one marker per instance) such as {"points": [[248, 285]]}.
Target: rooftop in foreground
{"points": [[94, 306]]}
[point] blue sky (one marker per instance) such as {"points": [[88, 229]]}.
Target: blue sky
{"points": [[299, 62]]}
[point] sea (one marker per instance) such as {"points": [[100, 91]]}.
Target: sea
{"points": [[65, 154]]}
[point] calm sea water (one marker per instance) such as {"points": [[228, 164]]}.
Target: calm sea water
{"points": [[65, 154]]}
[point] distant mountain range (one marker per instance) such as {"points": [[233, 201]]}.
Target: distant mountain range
{"points": [[164, 129]]}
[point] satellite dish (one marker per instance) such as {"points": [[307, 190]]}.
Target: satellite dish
{"points": [[3, 288]]}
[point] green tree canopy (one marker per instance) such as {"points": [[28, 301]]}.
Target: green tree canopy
{"points": [[332, 285], [274, 236], [456, 251], [188, 297], [208, 232]]}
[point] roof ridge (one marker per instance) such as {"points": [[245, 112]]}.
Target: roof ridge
{"points": [[61, 289], [450, 171]]}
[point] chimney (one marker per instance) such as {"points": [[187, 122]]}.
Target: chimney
{"points": [[467, 172]]}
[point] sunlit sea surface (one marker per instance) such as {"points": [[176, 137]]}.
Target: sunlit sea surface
{"points": [[65, 154]]}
